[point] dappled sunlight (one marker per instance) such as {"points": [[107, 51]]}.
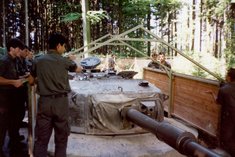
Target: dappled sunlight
{"points": [[179, 64], [182, 65]]}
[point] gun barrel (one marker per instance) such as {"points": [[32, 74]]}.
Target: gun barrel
{"points": [[184, 142]]}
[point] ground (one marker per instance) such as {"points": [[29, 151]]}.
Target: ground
{"points": [[24, 152], [138, 145]]}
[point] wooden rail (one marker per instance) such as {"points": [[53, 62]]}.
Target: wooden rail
{"points": [[191, 100]]}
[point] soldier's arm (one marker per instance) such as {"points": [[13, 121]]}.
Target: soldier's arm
{"points": [[31, 80], [16, 83]]}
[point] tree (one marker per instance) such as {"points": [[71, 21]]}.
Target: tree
{"points": [[165, 11], [214, 11]]}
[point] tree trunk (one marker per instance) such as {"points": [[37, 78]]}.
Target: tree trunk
{"points": [[216, 40], [193, 25], [200, 36], [120, 17], [3, 24], [86, 25], [26, 23], [188, 35], [175, 34], [149, 28], [168, 33]]}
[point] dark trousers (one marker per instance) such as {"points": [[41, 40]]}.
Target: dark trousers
{"points": [[52, 114], [16, 115], [3, 127], [4, 115], [227, 130]]}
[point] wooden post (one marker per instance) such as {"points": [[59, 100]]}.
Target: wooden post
{"points": [[171, 94]]}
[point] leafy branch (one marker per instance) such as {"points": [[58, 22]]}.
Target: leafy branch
{"points": [[93, 16]]}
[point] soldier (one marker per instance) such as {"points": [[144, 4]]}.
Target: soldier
{"points": [[23, 72], [226, 98], [9, 90], [29, 59], [111, 63], [160, 57], [153, 63], [51, 71], [162, 60]]}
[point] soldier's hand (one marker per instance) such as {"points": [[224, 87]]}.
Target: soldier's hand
{"points": [[18, 83], [72, 57], [79, 69]]}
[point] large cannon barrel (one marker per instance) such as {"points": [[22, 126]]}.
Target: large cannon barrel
{"points": [[184, 142]]}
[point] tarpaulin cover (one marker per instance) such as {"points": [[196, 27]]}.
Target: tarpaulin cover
{"points": [[97, 105]]}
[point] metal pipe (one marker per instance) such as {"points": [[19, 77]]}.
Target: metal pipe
{"points": [[184, 142]]}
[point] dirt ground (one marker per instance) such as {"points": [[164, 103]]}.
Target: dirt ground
{"points": [[139, 145], [143, 145]]}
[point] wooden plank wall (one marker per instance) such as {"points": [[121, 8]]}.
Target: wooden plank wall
{"points": [[191, 100], [160, 80]]}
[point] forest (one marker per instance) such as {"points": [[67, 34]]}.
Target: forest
{"points": [[193, 26]]}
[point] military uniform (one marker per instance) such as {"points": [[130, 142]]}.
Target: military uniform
{"points": [[9, 96], [226, 98], [111, 64], [22, 70], [156, 65], [51, 71]]}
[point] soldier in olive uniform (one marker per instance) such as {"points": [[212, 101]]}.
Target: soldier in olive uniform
{"points": [[23, 72], [9, 90], [51, 73], [226, 98]]}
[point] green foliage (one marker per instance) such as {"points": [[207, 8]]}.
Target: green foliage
{"points": [[198, 72], [215, 65], [135, 12], [164, 9], [70, 17], [214, 10], [229, 53], [66, 7], [93, 16], [230, 41], [136, 7], [195, 70], [96, 16], [215, 13]]}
